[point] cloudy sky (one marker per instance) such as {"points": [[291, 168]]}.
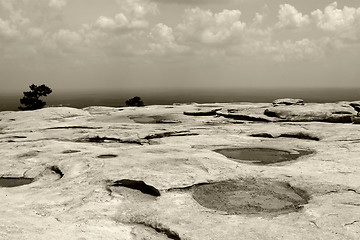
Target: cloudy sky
{"points": [[163, 44]]}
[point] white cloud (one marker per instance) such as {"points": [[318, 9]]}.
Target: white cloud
{"points": [[298, 50], [197, 2], [7, 5], [199, 33], [163, 40], [57, 3], [36, 32], [258, 19], [106, 22], [119, 22], [132, 16], [67, 37], [333, 19], [208, 28], [343, 22], [137, 8], [290, 17], [7, 30], [13, 16]]}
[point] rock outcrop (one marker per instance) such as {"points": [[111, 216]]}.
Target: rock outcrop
{"points": [[355, 119], [96, 173], [288, 101], [245, 113], [356, 106], [336, 113]]}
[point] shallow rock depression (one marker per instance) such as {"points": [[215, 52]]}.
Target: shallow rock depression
{"points": [[251, 196], [261, 156], [14, 182]]}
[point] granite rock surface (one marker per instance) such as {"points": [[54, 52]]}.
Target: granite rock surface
{"points": [[137, 173]]}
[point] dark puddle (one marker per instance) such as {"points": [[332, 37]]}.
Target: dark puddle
{"points": [[107, 156], [251, 196], [261, 156], [14, 182], [70, 151], [137, 185]]}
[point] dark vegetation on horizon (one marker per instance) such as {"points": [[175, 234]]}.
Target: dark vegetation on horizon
{"points": [[135, 102], [32, 101], [31, 98]]}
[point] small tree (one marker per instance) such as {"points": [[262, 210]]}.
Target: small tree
{"points": [[134, 102], [31, 98]]}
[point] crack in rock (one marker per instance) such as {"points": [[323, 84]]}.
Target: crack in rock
{"points": [[244, 117], [263, 135], [352, 204], [170, 134], [107, 156], [351, 223], [70, 151], [315, 224], [137, 185], [353, 190], [158, 227], [73, 127], [98, 139], [189, 187], [342, 190], [18, 136], [298, 135], [211, 112]]}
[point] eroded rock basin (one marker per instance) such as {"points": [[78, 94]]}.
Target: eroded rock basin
{"points": [[14, 182], [261, 156], [153, 119], [251, 196]]}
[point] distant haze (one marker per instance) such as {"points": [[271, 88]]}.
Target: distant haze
{"points": [[82, 99], [178, 45]]}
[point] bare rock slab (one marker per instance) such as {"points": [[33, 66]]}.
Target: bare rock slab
{"points": [[101, 173], [312, 112], [288, 101]]}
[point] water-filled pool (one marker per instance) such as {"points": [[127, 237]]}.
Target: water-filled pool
{"points": [[261, 156], [14, 182]]}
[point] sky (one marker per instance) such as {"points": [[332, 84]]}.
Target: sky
{"points": [[93, 45]]}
